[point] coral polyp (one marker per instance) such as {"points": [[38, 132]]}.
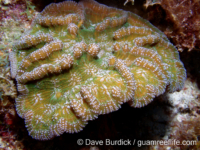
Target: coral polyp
{"points": [[80, 60]]}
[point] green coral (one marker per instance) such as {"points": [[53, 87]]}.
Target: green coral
{"points": [[80, 60]]}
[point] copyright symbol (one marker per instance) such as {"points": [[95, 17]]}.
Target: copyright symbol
{"points": [[80, 142]]}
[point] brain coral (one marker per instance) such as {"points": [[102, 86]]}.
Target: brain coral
{"points": [[80, 60]]}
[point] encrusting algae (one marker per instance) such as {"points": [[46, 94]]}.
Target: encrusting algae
{"points": [[80, 60]]}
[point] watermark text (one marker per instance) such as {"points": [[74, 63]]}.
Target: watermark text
{"points": [[138, 143]]}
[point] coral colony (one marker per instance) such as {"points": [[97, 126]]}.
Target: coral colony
{"points": [[84, 59]]}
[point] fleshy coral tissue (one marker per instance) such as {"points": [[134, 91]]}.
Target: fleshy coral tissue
{"points": [[80, 60]]}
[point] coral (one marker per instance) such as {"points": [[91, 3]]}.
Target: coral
{"points": [[84, 59], [184, 16]]}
